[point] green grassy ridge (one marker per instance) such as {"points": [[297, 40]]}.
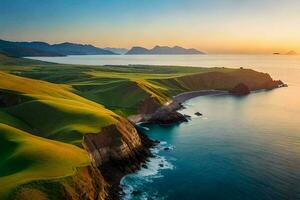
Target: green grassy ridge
{"points": [[45, 110], [26, 158], [107, 85], [54, 111], [59, 103]]}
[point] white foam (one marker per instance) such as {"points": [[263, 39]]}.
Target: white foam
{"points": [[133, 182], [154, 165]]}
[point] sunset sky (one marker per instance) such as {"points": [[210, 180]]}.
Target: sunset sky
{"points": [[214, 26]]}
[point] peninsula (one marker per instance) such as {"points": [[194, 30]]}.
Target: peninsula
{"points": [[65, 131]]}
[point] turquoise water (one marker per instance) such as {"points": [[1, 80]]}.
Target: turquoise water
{"points": [[241, 148]]}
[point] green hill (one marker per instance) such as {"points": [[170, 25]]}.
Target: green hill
{"points": [[42, 104], [40, 122], [25, 158], [46, 108]]}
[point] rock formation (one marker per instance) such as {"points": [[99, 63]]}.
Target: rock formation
{"points": [[240, 90], [118, 150]]}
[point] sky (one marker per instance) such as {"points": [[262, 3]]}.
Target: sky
{"points": [[213, 26]]}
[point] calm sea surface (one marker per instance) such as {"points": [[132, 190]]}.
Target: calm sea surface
{"points": [[241, 148]]}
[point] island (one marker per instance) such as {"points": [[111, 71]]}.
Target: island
{"points": [[162, 50], [69, 131]]}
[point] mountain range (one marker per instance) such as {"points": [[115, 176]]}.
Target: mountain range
{"points": [[23, 49], [162, 50], [36, 48]]}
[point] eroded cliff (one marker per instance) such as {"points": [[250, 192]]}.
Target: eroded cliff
{"points": [[118, 150]]}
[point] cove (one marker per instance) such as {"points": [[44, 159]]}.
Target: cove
{"points": [[241, 148]]}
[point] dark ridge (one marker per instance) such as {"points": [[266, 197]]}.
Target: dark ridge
{"points": [[36, 48]]}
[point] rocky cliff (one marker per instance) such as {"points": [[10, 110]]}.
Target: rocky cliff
{"points": [[118, 150]]}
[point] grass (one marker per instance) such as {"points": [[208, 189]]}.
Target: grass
{"points": [[38, 134], [25, 158], [51, 106], [53, 111], [107, 85]]}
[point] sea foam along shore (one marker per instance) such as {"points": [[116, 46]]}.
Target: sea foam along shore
{"points": [[133, 185]]}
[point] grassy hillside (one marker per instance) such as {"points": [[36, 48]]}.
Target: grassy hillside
{"points": [[46, 108], [25, 158], [107, 85], [53, 111], [41, 128]]}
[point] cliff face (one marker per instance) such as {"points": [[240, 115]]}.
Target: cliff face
{"points": [[116, 151], [148, 106], [236, 82], [226, 81], [115, 142]]}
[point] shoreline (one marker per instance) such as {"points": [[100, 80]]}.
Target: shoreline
{"points": [[114, 171], [185, 96], [176, 103], [174, 106]]}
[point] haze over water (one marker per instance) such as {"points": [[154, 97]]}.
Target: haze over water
{"points": [[241, 148]]}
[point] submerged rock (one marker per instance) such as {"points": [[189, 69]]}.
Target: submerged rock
{"points": [[198, 113], [167, 149], [240, 90], [155, 142], [145, 166]]}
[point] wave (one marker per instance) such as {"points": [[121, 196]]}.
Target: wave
{"points": [[133, 185]]}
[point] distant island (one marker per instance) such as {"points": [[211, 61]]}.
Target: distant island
{"points": [[289, 53], [27, 49], [162, 50]]}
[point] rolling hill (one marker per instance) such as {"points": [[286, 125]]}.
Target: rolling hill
{"points": [[57, 122]]}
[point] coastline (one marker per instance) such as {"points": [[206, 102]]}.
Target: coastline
{"points": [[118, 150], [176, 103], [172, 107], [148, 143], [185, 96], [115, 170]]}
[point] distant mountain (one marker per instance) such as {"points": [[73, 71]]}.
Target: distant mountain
{"points": [[138, 50], [17, 49], [79, 49], [162, 50], [23, 49], [117, 50], [291, 53]]}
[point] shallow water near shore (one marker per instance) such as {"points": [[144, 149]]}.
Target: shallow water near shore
{"points": [[241, 148]]}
